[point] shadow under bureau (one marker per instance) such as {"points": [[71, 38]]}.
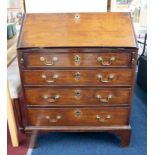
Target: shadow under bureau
{"points": [[77, 73]]}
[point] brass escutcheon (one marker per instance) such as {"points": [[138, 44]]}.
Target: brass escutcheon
{"points": [[77, 93], [77, 112], [77, 17], [77, 59], [77, 76]]}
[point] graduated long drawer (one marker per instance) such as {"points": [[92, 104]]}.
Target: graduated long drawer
{"points": [[96, 77], [76, 59], [77, 96], [77, 116]]}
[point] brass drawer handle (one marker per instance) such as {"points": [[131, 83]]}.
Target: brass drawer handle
{"points": [[104, 100], [103, 119], [110, 78], [51, 63], [53, 120], [51, 99], [106, 63], [54, 77]]}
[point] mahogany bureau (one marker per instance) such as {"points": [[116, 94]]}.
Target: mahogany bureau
{"points": [[77, 73]]}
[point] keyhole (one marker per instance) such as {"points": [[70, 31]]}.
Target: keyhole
{"points": [[77, 59], [77, 93], [77, 112], [77, 76]]}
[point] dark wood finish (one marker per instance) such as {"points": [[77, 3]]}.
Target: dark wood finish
{"points": [[77, 116], [68, 96], [87, 77], [124, 132], [18, 116], [124, 136], [115, 128], [66, 62], [68, 59]]}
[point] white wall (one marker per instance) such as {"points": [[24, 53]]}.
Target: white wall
{"points": [[13, 4], [45, 6]]}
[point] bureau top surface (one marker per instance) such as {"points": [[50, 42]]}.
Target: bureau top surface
{"points": [[77, 30]]}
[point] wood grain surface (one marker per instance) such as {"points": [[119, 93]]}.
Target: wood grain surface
{"points": [[33, 59], [77, 72], [87, 77], [61, 30], [68, 96], [86, 116]]}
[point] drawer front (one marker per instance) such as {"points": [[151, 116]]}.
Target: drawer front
{"points": [[47, 59], [75, 116], [78, 77], [77, 96]]}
